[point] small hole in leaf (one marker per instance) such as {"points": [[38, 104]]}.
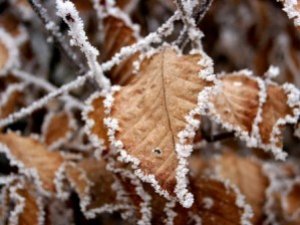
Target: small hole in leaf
{"points": [[157, 151], [69, 18]]}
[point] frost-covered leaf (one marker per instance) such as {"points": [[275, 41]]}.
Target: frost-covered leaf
{"points": [[154, 116], [291, 202], [93, 116], [58, 128], [282, 203], [32, 212], [32, 159], [24, 205], [237, 102], [216, 203], [10, 99], [248, 176], [119, 32], [94, 185], [255, 109]]}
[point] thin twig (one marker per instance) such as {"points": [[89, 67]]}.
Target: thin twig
{"points": [[43, 101], [198, 14], [217, 137], [53, 31], [70, 100]]}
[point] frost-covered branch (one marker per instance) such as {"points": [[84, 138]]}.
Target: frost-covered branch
{"points": [[192, 12], [53, 30], [67, 11], [43, 101], [71, 101]]}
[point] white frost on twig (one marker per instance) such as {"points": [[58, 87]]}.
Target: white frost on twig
{"points": [[67, 11]]}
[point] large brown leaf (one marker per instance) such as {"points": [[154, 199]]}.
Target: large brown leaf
{"points": [[32, 159], [151, 112]]}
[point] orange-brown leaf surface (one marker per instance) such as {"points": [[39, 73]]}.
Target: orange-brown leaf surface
{"points": [[215, 203], [10, 100], [247, 175], [117, 34], [91, 179], [237, 102], [237, 105], [151, 111], [4, 55], [30, 154], [276, 107], [96, 115], [58, 128], [31, 212]]}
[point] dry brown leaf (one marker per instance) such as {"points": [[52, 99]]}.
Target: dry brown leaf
{"points": [[247, 175], [32, 158], [10, 99], [24, 205], [215, 203], [242, 101], [83, 5], [237, 102], [10, 23], [292, 203], [118, 34], [276, 107], [283, 203], [94, 125], [58, 128], [151, 111], [93, 183], [4, 55], [31, 212]]}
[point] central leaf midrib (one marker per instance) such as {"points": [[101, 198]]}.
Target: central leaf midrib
{"points": [[165, 98]]}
